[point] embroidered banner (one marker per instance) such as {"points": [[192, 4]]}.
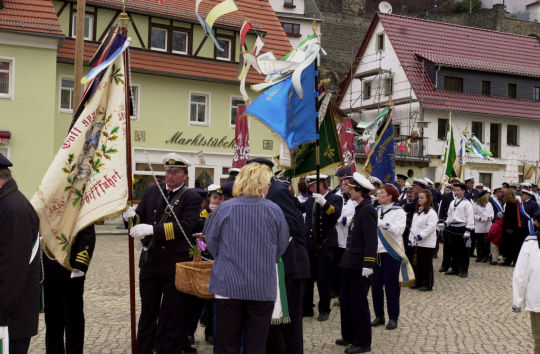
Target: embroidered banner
{"points": [[346, 138], [241, 139]]}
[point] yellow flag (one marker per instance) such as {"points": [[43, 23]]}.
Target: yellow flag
{"points": [[219, 10], [527, 170]]}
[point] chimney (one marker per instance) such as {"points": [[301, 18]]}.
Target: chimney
{"points": [[2, 5]]}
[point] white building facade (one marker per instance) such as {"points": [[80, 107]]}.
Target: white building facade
{"points": [[296, 17]]}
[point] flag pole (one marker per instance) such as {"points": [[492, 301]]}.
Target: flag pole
{"points": [[79, 49], [124, 21], [317, 142]]}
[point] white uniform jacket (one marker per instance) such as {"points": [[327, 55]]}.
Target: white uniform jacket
{"points": [[526, 281], [461, 213], [343, 228], [394, 220], [425, 225], [483, 218]]}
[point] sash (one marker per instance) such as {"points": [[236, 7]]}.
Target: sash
{"points": [[406, 273], [530, 224], [280, 314], [497, 204]]}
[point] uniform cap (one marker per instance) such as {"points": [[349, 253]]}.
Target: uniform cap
{"points": [[420, 182], [4, 162], [360, 181], [263, 161], [403, 177], [227, 188], [343, 172], [201, 192], [375, 180], [470, 178], [479, 185], [234, 171], [524, 191], [499, 188], [215, 188], [173, 162], [313, 178], [428, 181]]}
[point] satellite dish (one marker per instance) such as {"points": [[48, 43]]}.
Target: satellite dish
{"points": [[385, 7]]}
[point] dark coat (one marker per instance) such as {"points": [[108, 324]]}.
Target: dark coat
{"points": [[445, 204], [296, 258], [19, 280], [170, 245], [362, 240], [328, 215], [436, 194], [530, 207]]}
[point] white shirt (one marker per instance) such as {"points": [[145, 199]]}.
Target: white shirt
{"points": [[343, 230], [395, 219], [461, 213], [425, 225], [526, 281], [483, 217]]}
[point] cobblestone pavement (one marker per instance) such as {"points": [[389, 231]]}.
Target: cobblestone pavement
{"points": [[470, 315]]}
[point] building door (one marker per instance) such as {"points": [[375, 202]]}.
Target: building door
{"points": [[495, 139]]}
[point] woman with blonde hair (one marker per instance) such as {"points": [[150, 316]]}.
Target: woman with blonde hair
{"points": [[483, 217], [246, 235]]}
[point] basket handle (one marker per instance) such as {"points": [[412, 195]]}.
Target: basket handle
{"points": [[197, 257]]}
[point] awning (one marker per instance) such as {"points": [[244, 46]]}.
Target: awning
{"points": [[4, 136]]}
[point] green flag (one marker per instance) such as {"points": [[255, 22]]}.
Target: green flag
{"points": [[304, 157], [450, 157]]}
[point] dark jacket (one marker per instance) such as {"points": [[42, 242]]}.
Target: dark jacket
{"points": [[296, 258], [445, 204], [362, 240], [19, 279], [170, 245], [436, 194], [327, 216]]}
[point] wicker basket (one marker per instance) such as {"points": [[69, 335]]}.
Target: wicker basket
{"points": [[193, 277]]}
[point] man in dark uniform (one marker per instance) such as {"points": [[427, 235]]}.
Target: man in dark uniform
{"points": [[358, 261], [529, 202], [472, 193], [63, 293], [418, 185], [341, 174], [322, 212], [443, 214], [164, 245], [20, 264], [401, 180], [288, 338]]}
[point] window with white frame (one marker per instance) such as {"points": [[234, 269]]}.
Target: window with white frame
{"points": [[226, 53], [367, 90], [179, 42], [235, 102], [135, 99], [6, 77], [66, 94], [158, 40], [388, 86], [198, 108], [88, 26], [380, 41]]}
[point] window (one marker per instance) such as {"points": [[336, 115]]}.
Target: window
{"points": [[367, 90], [485, 179], [486, 87], [478, 130], [397, 129], [6, 77], [388, 86], [537, 93], [227, 48], [198, 110], [380, 41], [134, 108], [495, 139], [88, 26], [512, 90], [292, 29], [66, 94], [235, 102], [179, 42], [453, 84], [159, 39], [512, 135], [289, 3], [442, 128]]}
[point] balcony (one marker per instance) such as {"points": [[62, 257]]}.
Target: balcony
{"points": [[414, 155]]}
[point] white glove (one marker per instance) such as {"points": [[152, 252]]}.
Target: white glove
{"points": [[467, 234], [366, 272], [129, 213], [319, 199], [441, 226], [516, 309], [77, 273], [141, 230]]}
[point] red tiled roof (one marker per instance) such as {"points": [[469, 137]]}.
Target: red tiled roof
{"points": [[258, 12], [169, 65], [36, 16], [465, 47]]}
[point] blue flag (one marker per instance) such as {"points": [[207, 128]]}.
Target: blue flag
{"points": [[291, 117], [381, 161]]}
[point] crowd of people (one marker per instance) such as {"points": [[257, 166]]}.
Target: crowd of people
{"points": [[272, 246]]}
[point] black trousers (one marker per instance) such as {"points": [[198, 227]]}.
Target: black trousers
{"points": [[354, 307], [447, 253], [460, 254], [336, 271], [424, 267], [157, 291], [321, 271], [64, 315], [293, 333], [386, 274], [242, 318], [19, 346], [482, 247]]}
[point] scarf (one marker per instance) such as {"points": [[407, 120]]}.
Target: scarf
{"points": [[280, 315], [406, 273]]}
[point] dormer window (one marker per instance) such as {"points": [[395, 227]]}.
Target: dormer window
{"points": [[88, 26], [289, 3], [228, 52], [159, 39], [179, 42], [170, 39], [453, 84], [291, 29], [512, 91]]}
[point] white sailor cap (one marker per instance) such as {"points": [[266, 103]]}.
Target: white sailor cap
{"points": [[479, 185], [360, 181], [470, 178], [487, 189], [172, 162], [526, 185], [524, 191], [374, 180], [313, 178], [407, 184], [428, 180], [420, 182], [499, 188], [215, 188]]}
